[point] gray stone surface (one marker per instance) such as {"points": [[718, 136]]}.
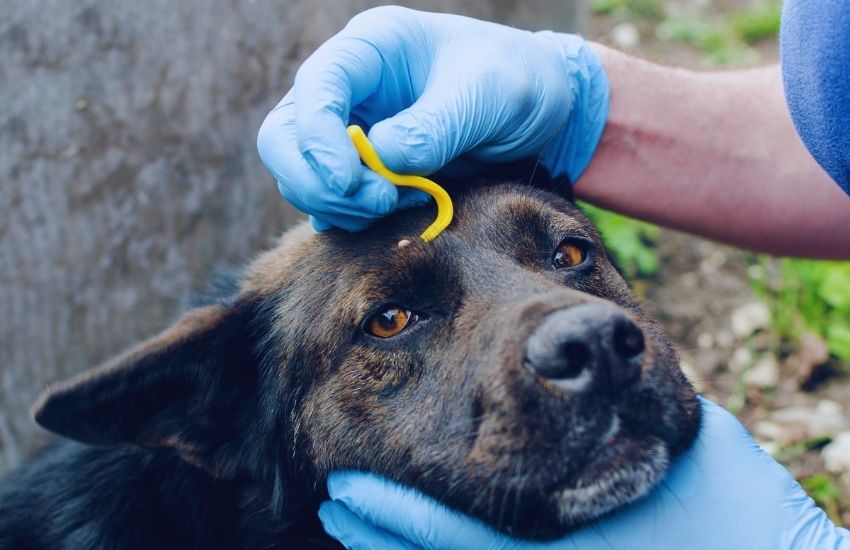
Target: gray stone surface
{"points": [[128, 168]]}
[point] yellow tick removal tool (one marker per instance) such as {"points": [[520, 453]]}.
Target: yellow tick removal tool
{"points": [[445, 210]]}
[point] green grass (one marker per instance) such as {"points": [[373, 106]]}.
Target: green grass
{"points": [[825, 492], [632, 9], [794, 450], [724, 38], [713, 39], [631, 242], [807, 295], [757, 22]]}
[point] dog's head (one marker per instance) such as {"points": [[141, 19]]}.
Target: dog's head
{"points": [[504, 369]]}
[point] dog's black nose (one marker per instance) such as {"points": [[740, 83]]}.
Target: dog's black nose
{"points": [[589, 347]]}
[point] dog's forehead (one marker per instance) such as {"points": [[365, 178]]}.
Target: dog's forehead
{"points": [[504, 210], [483, 216]]}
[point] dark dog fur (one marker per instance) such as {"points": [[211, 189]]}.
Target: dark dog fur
{"points": [[220, 432]]}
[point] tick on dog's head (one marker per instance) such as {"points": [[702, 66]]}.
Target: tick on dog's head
{"points": [[505, 369]]}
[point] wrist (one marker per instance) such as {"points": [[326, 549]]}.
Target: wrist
{"points": [[588, 102]]}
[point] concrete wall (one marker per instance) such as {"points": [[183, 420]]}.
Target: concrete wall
{"points": [[128, 167]]}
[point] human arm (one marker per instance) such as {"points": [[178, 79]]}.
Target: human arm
{"points": [[725, 492], [716, 154]]}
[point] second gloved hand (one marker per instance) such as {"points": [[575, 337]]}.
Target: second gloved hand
{"points": [[431, 88], [725, 492]]}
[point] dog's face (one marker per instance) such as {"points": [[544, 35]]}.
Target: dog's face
{"points": [[504, 369]]}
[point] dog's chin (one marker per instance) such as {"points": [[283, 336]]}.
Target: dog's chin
{"points": [[624, 467], [624, 470]]}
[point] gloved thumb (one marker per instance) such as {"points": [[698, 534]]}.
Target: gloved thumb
{"points": [[424, 137]]}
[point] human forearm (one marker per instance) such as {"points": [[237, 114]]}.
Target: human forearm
{"points": [[714, 154]]}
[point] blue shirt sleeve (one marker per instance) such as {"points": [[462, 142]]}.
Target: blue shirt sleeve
{"points": [[815, 55]]}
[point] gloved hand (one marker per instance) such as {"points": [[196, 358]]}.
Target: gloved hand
{"points": [[726, 492], [431, 87]]}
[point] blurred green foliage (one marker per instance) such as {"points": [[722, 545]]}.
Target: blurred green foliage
{"points": [[825, 492], [715, 40], [807, 295], [631, 242], [633, 9], [756, 23], [723, 37], [794, 450]]}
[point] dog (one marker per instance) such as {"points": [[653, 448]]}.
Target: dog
{"points": [[504, 369]]}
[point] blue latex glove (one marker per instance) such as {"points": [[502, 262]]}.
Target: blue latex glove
{"points": [[726, 492], [431, 87]]}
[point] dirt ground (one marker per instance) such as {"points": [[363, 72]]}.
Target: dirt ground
{"points": [[702, 296]]}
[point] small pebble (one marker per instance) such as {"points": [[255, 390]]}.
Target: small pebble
{"points": [[810, 361], [770, 447], [836, 455], [625, 35], [828, 407], [809, 422], [741, 359], [689, 280], [756, 272], [725, 339], [749, 318], [764, 373], [713, 263], [771, 431]]}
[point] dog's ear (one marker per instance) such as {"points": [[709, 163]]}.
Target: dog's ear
{"points": [[193, 388]]}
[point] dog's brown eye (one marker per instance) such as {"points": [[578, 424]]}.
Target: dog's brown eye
{"points": [[390, 321], [567, 255]]}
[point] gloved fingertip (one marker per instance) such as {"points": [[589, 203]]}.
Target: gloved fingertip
{"points": [[386, 202], [354, 533], [334, 172], [267, 138], [339, 483], [378, 196], [406, 146], [320, 225], [281, 188], [330, 514]]}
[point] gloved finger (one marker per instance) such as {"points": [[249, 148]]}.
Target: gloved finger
{"points": [[427, 135], [407, 198], [298, 182], [319, 225], [374, 199], [354, 533], [343, 71], [352, 224], [276, 138], [409, 514]]}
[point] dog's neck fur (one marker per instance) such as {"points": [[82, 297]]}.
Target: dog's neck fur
{"points": [[144, 498]]}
